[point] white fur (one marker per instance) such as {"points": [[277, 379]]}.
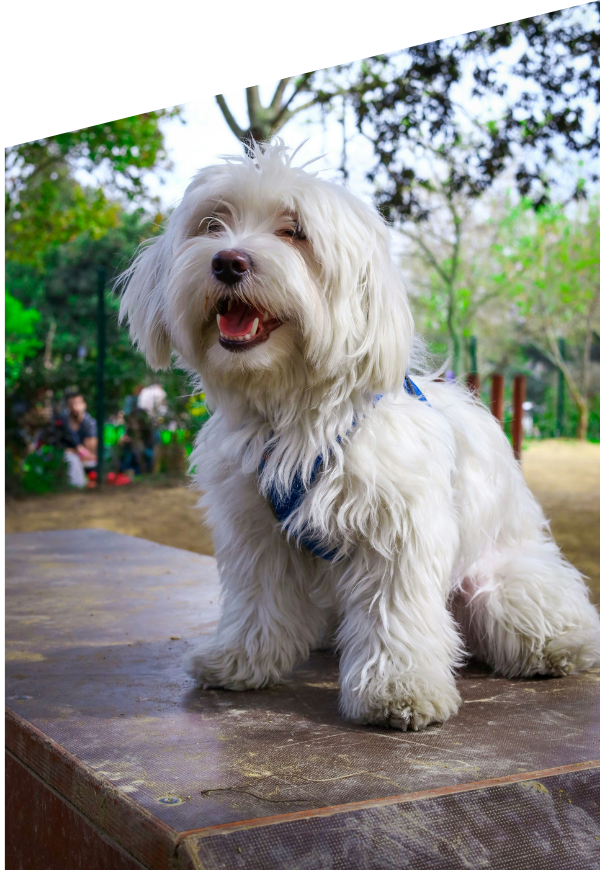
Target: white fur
{"points": [[425, 502]]}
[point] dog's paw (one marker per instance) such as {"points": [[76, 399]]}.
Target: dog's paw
{"points": [[215, 667], [410, 706], [565, 654], [557, 662], [420, 712]]}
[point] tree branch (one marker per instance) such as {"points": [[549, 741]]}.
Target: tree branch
{"points": [[231, 122], [284, 116], [559, 362], [278, 95], [254, 105], [485, 298], [428, 256], [300, 86]]}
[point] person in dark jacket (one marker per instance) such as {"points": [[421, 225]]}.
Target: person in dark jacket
{"points": [[81, 433]]}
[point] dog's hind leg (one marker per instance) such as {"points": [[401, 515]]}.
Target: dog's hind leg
{"points": [[525, 610]]}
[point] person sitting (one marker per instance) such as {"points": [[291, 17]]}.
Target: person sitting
{"points": [[81, 434], [136, 445]]}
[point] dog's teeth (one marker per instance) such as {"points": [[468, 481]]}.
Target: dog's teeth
{"points": [[254, 327], [218, 320], [246, 337], [229, 304]]}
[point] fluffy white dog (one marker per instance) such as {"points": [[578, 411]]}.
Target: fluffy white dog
{"points": [[338, 495]]}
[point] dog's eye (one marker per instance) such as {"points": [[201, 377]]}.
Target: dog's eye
{"points": [[299, 233], [213, 226], [293, 232]]}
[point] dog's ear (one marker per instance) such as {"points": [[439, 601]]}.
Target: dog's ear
{"points": [[389, 322], [142, 303]]}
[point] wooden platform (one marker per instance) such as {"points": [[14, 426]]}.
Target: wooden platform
{"points": [[115, 760]]}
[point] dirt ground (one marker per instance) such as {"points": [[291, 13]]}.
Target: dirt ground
{"points": [[564, 476]]}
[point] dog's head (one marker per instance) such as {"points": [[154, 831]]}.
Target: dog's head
{"points": [[269, 278]]}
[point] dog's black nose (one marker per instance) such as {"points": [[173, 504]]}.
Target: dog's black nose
{"points": [[231, 266]]}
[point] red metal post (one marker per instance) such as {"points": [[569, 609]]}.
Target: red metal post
{"points": [[473, 383], [497, 398], [519, 392]]}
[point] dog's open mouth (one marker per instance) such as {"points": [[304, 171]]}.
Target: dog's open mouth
{"points": [[241, 326]]}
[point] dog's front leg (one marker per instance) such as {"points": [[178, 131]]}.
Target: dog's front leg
{"points": [[398, 640], [269, 621]]}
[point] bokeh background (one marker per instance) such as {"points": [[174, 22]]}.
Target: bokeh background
{"points": [[482, 151]]}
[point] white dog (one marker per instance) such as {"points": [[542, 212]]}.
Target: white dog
{"points": [[337, 494]]}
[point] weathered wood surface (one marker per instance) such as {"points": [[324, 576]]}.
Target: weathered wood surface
{"points": [[102, 711]]}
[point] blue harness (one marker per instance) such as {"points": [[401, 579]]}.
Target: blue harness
{"points": [[284, 504]]}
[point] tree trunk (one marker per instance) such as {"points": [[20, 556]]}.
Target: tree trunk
{"points": [[48, 347], [583, 422], [259, 132], [454, 333], [582, 405], [587, 344], [581, 400]]}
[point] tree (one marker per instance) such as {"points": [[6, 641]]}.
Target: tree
{"points": [[413, 95], [406, 102], [448, 257], [61, 289], [550, 266], [437, 152], [265, 121], [46, 204]]}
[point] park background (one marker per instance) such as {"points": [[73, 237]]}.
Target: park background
{"points": [[482, 152]]}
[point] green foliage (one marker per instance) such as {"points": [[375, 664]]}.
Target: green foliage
{"points": [[20, 340], [46, 204], [544, 415], [54, 211], [409, 106], [197, 410], [62, 288], [18, 321], [43, 471], [551, 263], [126, 148], [112, 434], [76, 202]]}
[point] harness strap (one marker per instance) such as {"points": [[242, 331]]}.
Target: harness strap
{"points": [[284, 504]]}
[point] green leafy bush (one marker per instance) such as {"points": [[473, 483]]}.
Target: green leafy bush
{"points": [[45, 470]]}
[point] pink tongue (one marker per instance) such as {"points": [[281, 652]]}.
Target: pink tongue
{"points": [[239, 319]]}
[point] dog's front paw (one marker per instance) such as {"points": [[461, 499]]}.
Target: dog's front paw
{"points": [[214, 666], [411, 704]]}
